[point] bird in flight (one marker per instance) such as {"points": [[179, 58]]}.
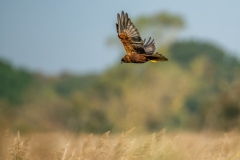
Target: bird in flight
{"points": [[137, 50]]}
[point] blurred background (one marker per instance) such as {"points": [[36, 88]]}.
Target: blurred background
{"points": [[60, 67]]}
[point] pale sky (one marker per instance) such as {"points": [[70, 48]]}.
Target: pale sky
{"points": [[55, 36]]}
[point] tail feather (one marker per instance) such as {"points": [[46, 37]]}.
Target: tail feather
{"points": [[156, 57]]}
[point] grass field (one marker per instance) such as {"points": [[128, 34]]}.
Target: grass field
{"points": [[125, 146]]}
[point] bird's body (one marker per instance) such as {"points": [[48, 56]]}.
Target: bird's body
{"points": [[137, 51], [135, 58]]}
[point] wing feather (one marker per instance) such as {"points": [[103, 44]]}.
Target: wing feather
{"points": [[119, 24], [129, 35], [149, 46]]}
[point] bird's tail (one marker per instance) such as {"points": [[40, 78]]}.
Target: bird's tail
{"points": [[156, 57]]}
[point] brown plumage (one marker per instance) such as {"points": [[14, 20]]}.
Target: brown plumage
{"points": [[137, 50]]}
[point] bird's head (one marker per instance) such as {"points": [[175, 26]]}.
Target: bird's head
{"points": [[125, 59], [122, 60]]}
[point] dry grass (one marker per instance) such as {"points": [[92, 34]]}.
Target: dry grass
{"points": [[127, 146]]}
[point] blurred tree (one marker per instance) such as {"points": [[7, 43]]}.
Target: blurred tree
{"points": [[13, 82], [224, 109], [213, 67], [215, 64], [67, 84], [197, 88]]}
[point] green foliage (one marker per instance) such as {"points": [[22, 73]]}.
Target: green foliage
{"points": [[214, 69], [191, 91], [206, 60], [197, 89], [160, 20], [68, 84], [13, 82], [184, 52]]}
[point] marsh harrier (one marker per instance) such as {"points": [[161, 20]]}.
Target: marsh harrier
{"points": [[138, 50]]}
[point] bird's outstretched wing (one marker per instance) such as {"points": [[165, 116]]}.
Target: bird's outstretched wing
{"points": [[129, 35], [149, 47]]}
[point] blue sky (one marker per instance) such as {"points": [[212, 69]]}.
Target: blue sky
{"points": [[55, 36]]}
